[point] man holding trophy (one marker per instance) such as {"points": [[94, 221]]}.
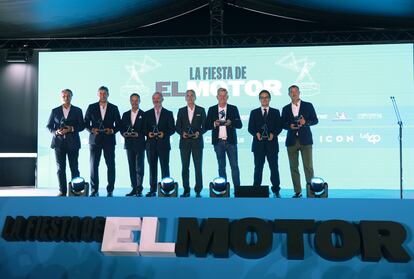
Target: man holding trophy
{"points": [[133, 131], [159, 126], [65, 123], [297, 117], [189, 126], [103, 121], [265, 124]]}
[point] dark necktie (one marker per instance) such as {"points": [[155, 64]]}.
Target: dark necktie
{"points": [[265, 115]]}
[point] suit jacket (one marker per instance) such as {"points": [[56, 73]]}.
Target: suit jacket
{"points": [[93, 119], [165, 125], [183, 123], [232, 114], [75, 119], [274, 126], [134, 143], [304, 133]]}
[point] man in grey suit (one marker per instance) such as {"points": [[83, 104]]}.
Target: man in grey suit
{"points": [[189, 126]]}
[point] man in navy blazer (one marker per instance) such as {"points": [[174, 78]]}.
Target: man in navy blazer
{"points": [[103, 121], [297, 117], [132, 130], [265, 124], [159, 126], [189, 126], [65, 123], [223, 119]]}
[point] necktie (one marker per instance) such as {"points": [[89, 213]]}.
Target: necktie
{"points": [[222, 114], [265, 115]]}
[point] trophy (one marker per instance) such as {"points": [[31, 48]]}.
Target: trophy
{"points": [[101, 128], [155, 131], [222, 118], [190, 132], [265, 132], [297, 120], [130, 133], [63, 125]]}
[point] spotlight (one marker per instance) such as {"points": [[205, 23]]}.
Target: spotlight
{"points": [[219, 188], [17, 56], [167, 188], [317, 188], [77, 187]]}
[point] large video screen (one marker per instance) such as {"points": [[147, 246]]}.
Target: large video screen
{"points": [[355, 143]]}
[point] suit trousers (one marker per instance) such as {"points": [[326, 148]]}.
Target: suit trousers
{"points": [[60, 154], [197, 161], [306, 154], [272, 158], [136, 168], [95, 157], [153, 154]]}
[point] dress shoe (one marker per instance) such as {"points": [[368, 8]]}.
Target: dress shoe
{"points": [[185, 195], [94, 194], [277, 195], [133, 193], [61, 194], [297, 195], [198, 195], [110, 194], [139, 194], [150, 194]]}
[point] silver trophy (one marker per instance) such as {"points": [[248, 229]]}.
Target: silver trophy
{"points": [[130, 133], [190, 132], [101, 128], [222, 118], [63, 125], [155, 131], [264, 135], [296, 120]]}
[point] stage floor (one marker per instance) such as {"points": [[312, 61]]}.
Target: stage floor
{"points": [[286, 193]]}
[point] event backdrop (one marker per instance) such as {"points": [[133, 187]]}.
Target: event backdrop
{"points": [[355, 142]]}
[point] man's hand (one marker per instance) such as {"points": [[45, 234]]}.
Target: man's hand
{"points": [[216, 123], [294, 127], [185, 135], [95, 131], [302, 121], [108, 131], [160, 134], [151, 135], [270, 137], [258, 136], [196, 135], [228, 122]]}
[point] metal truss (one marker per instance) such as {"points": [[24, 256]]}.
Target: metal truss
{"points": [[216, 22], [256, 40]]}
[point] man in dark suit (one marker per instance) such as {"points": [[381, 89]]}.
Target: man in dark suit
{"points": [[65, 123], [189, 126], [265, 124], [159, 126], [297, 117], [133, 131], [223, 119], [103, 121]]}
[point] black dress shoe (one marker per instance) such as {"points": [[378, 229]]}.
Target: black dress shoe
{"points": [[150, 194], [94, 194], [198, 195], [185, 195], [61, 194], [133, 193], [139, 194], [297, 195], [277, 195], [110, 194]]}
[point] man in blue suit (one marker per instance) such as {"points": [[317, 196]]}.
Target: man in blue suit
{"points": [[159, 127], [189, 126], [223, 119], [103, 121], [265, 124], [133, 131], [297, 117], [65, 123]]}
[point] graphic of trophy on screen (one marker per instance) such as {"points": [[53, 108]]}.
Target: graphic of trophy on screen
{"points": [[264, 135], [155, 131], [101, 127], [222, 117], [130, 133]]}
